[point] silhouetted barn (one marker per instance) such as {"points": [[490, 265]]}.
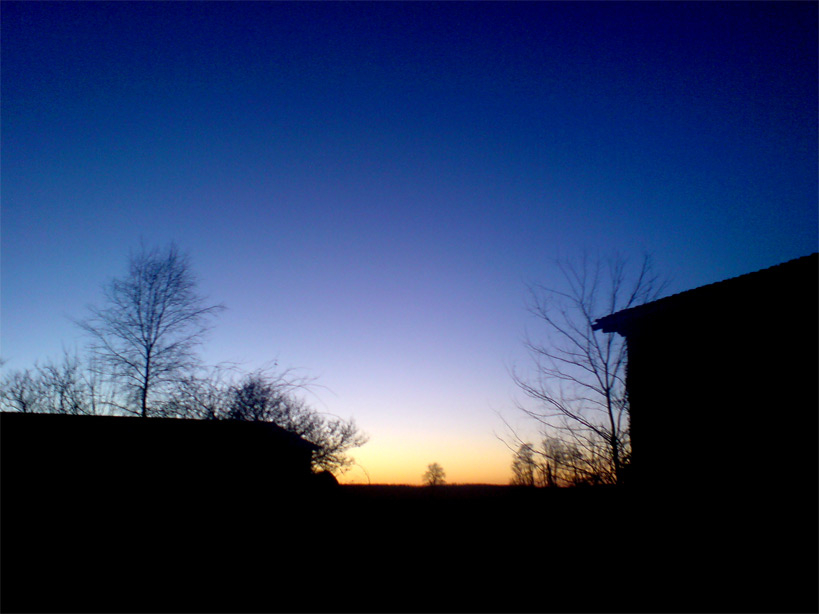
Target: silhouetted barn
{"points": [[115, 514], [722, 381], [105, 454], [141, 465]]}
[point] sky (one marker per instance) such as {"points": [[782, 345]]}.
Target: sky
{"points": [[370, 187]]}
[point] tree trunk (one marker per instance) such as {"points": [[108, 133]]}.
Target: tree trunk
{"points": [[144, 391]]}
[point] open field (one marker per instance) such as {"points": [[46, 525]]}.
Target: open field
{"points": [[392, 548]]}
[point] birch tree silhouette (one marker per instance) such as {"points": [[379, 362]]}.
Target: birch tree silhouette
{"points": [[146, 335]]}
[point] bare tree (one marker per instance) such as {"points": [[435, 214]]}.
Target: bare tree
{"points": [[562, 463], [434, 475], [146, 335], [20, 391], [524, 467], [578, 380], [267, 396], [272, 398], [65, 387], [198, 396], [333, 436], [259, 397]]}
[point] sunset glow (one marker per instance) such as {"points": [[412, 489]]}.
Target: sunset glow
{"points": [[370, 187]]}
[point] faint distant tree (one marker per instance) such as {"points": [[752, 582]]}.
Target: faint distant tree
{"points": [[578, 380], [546, 475], [146, 335], [65, 387], [561, 463], [524, 466], [20, 392], [434, 475]]}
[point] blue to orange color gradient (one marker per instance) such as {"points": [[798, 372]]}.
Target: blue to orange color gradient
{"points": [[369, 187]]}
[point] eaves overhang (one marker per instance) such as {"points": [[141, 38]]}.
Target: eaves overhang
{"points": [[737, 289]]}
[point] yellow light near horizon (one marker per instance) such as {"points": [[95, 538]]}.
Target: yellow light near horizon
{"points": [[390, 460]]}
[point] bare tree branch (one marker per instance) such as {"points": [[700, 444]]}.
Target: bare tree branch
{"points": [[578, 380]]}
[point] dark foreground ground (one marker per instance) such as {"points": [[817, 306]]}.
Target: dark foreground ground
{"points": [[101, 514], [402, 549]]}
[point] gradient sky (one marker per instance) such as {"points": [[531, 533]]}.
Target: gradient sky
{"points": [[369, 187]]}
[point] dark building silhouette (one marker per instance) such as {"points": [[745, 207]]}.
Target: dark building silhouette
{"points": [[106, 454], [722, 383], [111, 514]]}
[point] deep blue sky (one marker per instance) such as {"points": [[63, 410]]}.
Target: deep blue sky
{"points": [[369, 187]]}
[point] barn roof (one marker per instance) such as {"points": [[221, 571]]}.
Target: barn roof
{"points": [[766, 282], [183, 429]]}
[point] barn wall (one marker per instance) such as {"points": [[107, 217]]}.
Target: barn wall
{"points": [[725, 392], [725, 420], [133, 468]]}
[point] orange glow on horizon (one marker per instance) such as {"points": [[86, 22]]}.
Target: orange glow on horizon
{"points": [[393, 461]]}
